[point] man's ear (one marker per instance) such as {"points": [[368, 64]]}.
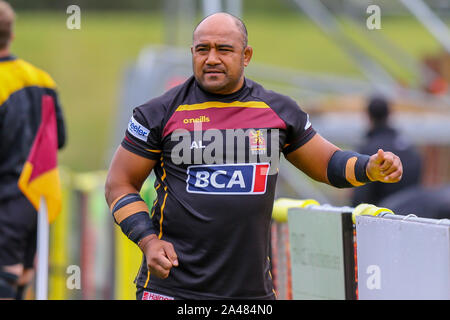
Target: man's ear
{"points": [[248, 52], [192, 49]]}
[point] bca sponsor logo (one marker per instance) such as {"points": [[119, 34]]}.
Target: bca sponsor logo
{"points": [[230, 179], [138, 130], [147, 295]]}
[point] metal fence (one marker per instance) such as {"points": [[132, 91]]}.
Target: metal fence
{"points": [[327, 252]]}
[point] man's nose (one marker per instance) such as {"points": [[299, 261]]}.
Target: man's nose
{"points": [[213, 58]]}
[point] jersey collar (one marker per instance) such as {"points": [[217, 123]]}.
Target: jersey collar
{"points": [[7, 58], [224, 97]]}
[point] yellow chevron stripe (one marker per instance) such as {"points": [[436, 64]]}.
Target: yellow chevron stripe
{"points": [[148, 278], [217, 104]]}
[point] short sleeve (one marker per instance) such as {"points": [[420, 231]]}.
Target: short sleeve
{"points": [[299, 129], [143, 134]]}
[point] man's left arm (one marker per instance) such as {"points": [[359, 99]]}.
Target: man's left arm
{"points": [[325, 162]]}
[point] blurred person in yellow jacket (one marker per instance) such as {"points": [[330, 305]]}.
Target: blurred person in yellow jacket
{"points": [[22, 87]]}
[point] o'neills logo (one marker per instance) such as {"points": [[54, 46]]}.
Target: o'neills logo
{"points": [[194, 120]]}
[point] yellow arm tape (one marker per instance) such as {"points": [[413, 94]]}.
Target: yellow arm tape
{"points": [[282, 205], [365, 209]]}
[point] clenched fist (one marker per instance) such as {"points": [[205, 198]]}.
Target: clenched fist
{"points": [[160, 256], [384, 167]]}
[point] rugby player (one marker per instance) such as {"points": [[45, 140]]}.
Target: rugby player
{"points": [[22, 87], [207, 233]]}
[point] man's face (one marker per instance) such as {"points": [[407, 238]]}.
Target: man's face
{"points": [[219, 56]]}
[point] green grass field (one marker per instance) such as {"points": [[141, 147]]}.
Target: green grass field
{"points": [[87, 64]]}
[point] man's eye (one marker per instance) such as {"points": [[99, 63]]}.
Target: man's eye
{"points": [[202, 49]]}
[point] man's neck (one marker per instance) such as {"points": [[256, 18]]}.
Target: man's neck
{"points": [[4, 53]]}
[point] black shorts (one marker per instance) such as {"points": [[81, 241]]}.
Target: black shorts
{"points": [[18, 231]]}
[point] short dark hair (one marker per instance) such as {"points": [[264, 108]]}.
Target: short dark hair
{"points": [[378, 109], [239, 23], [6, 23]]}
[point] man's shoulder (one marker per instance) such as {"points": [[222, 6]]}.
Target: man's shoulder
{"points": [[273, 98], [27, 74], [36, 74], [17, 75]]}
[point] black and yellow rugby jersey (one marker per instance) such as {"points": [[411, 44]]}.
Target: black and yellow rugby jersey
{"points": [[22, 86], [215, 182]]}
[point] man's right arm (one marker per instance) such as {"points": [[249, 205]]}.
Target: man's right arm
{"points": [[126, 175]]}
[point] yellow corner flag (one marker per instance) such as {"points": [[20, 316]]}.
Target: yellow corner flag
{"points": [[40, 175]]}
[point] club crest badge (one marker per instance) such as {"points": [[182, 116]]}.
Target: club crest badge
{"points": [[258, 143]]}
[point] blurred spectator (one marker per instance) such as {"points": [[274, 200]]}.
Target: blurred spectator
{"points": [[382, 135], [424, 202], [22, 87]]}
